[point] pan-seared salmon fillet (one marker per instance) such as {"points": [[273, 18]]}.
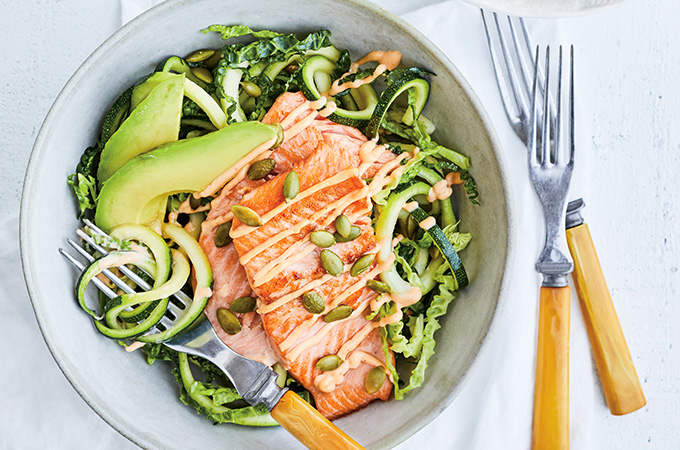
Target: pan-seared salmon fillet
{"points": [[282, 264], [341, 138], [230, 280], [229, 283]]}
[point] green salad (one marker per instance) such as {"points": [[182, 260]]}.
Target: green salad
{"points": [[213, 95]]}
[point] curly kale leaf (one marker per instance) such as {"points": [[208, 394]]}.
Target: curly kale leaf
{"points": [[468, 182], [342, 65], [276, 48], [451, 159], [396, 74], [358, 75]]}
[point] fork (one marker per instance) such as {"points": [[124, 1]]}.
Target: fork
{"points": [[254, 381], [620, 382], [550, 172]]}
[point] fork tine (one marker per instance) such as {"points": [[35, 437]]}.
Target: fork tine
{"points": [[107, 273], [179, 299], [512, 72], [127, 272], [176, 310], [533, 122], [545, 137], [559, 151], [100, 285], [526, 68], [572, 142], [510, 111], [94, 228]]}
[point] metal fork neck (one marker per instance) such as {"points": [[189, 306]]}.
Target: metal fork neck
{"points": [[554, 280], [254, 381]]}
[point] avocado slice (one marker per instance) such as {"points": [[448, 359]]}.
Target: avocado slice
{"points": [[143, 89], [138, 191], [155, 121]]}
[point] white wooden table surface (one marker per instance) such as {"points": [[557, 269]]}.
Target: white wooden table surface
{"points": [[630, 65]]}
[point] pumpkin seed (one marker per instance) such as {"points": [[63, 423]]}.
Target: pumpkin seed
{"points": [[322, 238], [411, 227], [251, 88], [200, 55], [194, 203], [328, 363], [202, 74], [262, 168], [222, 238], [343, 226], [247, 216], [314, 302], [339, 313], [378, 286], [354, 233], [292, 68], [375, 379], [228, 321], [362, 264], [291, 185], [212, 62], [243, 305], [332, 263], [279, 135], [196, 133]]}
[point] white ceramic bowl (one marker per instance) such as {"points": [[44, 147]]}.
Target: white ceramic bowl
{"points": [[141, 402]]}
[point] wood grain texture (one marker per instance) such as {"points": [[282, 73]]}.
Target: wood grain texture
{"points": [[309, 427], [614, 364], [551, 394]]}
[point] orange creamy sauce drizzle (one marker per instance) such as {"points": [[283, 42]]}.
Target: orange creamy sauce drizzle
{"points": [[134, 346], [388, 60], [324, 328], [328, 381], [410, 206], [291, 339], [235, 169], [289, 257], [242, 230], [440, 191], [427, 223], [275, 267], [337, 207], [202, 292]]}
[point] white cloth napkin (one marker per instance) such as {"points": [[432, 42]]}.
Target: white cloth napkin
{"points": [[39, 409]]}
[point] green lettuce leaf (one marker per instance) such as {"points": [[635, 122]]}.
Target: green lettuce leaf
{"points": [[408, 347], [457, 239], [85, 188], [438, 307], [233, 31]]}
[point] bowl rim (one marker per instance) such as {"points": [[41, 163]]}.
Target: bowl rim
{"points": [[61, 100], [543, 14]]}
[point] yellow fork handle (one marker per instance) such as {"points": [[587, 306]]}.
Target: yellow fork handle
{"points": [[619, 380], [551, 393], [309, 427]]}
